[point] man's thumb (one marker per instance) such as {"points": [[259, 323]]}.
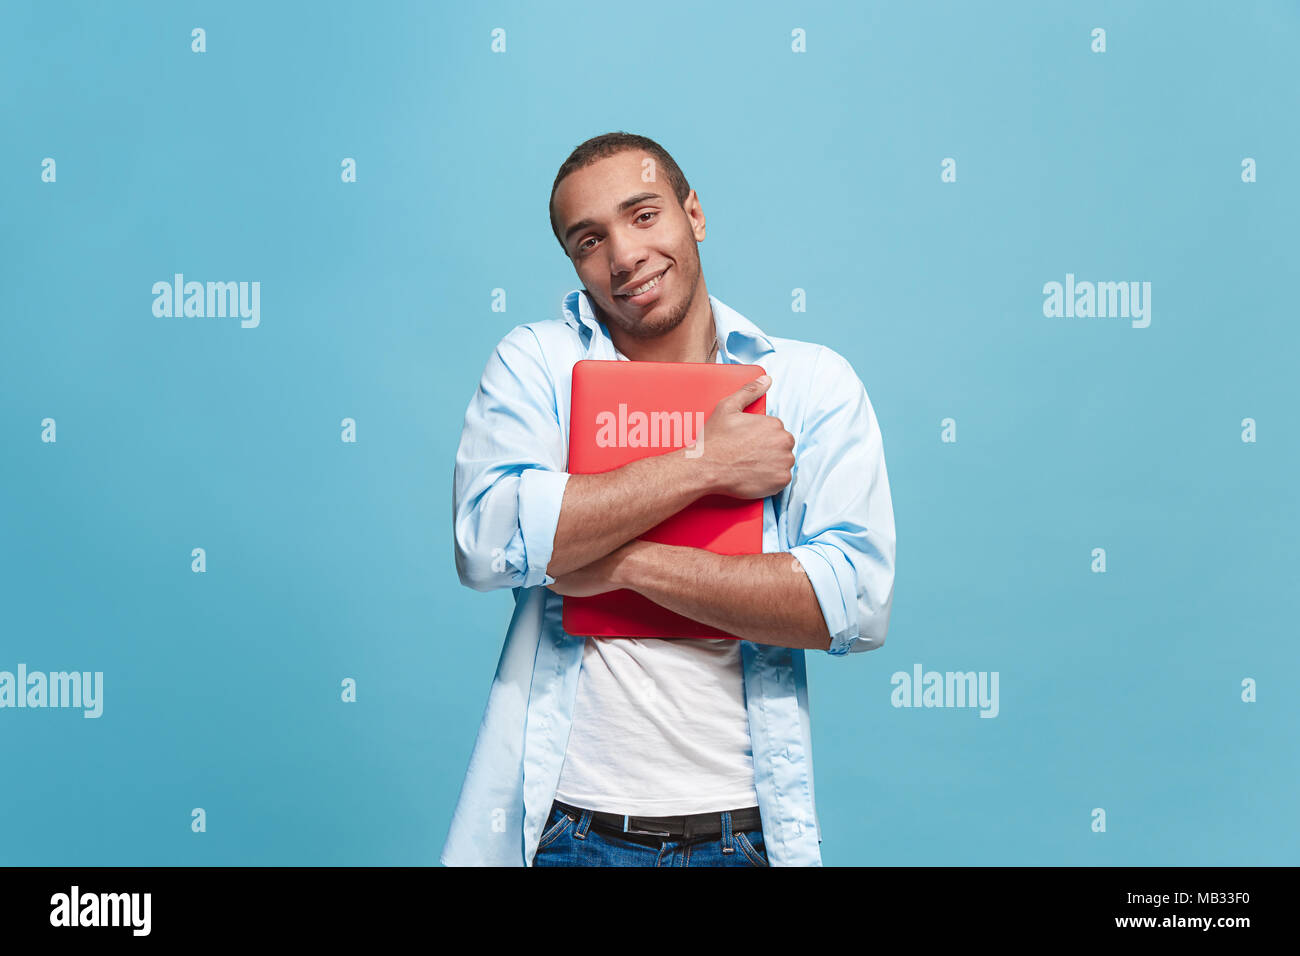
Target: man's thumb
{"points": [[748, 392]]}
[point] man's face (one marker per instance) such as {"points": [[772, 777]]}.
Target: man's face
{"points": [[621, 232]]}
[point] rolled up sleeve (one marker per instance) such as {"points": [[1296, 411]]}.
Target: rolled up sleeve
{"points": [[840, 513], [510, 471]]}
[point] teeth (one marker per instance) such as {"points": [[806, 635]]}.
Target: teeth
{"points": [[647, 287]]}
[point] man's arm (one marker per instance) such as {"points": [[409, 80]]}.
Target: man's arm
{"points": [[765, 598], [841, 532], [598, 513], [738, 453], [512, 510]]}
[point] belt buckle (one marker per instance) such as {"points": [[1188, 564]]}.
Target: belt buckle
{"points": [[657, 833]]}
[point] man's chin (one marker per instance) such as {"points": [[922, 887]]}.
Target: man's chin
{"points": [[652, 330]]}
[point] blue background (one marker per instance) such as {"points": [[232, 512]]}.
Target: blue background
{"points": [[817, 171]]}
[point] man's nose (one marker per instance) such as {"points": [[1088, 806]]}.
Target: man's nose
{"points": [[626, 256]]}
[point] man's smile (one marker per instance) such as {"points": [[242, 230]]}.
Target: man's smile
{"points": [[644, 291]]}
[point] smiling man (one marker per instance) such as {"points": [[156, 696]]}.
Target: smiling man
{"points": [[646, 751]]}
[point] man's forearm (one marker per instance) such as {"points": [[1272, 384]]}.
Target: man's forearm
{"points": [[765, 598], [598, 513]]}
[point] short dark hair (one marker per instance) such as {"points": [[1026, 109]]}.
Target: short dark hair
{"points": [[609, 144]]}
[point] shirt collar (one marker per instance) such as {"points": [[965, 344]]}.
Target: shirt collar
{"points": [[740, 340]]}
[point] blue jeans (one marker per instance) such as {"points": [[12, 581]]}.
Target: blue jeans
{"points": [[569, 839]]}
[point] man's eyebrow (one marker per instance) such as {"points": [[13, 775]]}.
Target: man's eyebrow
{"points": [[625, 205]]}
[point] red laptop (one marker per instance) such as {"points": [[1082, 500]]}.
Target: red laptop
{"points": [[625, 410]]}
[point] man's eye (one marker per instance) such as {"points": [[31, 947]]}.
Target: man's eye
{"points": [[583, 247]]}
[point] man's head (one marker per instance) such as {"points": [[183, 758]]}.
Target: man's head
{"points": [[624, 214]]}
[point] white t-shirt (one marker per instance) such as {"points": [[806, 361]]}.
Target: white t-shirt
{"points": [[659, 727]]}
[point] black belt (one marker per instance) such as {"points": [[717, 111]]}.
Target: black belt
{"points": [[689, 825]]}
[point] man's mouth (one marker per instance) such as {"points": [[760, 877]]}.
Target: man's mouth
{"points": [[645, 291]]}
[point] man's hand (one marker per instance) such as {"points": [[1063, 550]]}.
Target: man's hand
{"points": [[752, 454], [598, 577]]}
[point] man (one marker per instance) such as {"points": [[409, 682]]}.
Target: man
{"points": [[660, 752]]}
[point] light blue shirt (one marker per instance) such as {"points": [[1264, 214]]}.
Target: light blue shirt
{"points": [[835, 516]]}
